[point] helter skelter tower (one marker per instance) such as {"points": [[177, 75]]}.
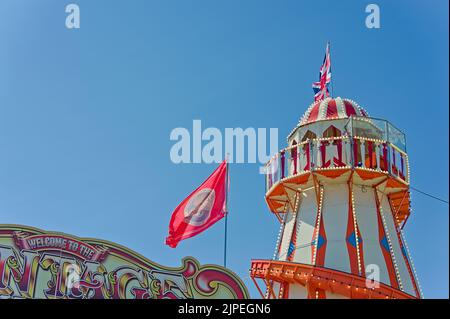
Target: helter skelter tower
{"points": [[340, 191]]}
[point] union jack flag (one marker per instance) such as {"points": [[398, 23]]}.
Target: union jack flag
{"points": [[321, 87]]}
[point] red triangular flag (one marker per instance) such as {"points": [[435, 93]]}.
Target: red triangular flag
{"points": [[201, 209]]}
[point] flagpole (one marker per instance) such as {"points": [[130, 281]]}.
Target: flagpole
{"points": [[226, 217], [332, 82], [225, 245]]}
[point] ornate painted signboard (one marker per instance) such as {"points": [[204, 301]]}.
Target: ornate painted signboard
{"points": [[39, 264]]}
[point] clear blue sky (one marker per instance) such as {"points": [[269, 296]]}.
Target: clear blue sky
{"points": [[85, 115]]}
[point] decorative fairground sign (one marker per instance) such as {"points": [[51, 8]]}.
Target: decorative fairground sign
{"points": [[39, 264]]}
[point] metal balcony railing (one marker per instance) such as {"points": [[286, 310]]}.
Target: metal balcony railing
{"points": [[335, 153]]}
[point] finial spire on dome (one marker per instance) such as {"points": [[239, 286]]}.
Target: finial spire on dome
{"points": [[321, 87]]}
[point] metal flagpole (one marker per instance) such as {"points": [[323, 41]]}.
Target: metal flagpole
{"points": [[332, 82], [226, 216]]}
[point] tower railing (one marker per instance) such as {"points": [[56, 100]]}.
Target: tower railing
{"points": [[337, 153]]}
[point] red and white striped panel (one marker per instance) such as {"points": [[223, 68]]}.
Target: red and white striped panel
{"points": [[330, 109]]}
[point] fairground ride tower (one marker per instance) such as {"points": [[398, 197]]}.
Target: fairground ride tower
{"points": [[340, 191]]}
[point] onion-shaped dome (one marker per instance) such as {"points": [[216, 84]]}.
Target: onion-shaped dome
{"points": [[332, 109]]}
